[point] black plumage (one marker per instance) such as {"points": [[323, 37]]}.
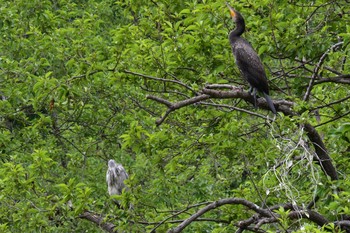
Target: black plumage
{"points": [[248, 60]]}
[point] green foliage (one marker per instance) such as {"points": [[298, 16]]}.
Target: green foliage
{"points": [[283, 217], [74, 79]]}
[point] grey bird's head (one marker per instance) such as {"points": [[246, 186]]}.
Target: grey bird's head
{"points": [[111, 163]]}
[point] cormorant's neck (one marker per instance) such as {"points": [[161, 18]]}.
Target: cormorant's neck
{"points": [[240, 27]]}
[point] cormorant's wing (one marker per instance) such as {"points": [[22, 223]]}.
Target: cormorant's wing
{"points": [[250, 65]]}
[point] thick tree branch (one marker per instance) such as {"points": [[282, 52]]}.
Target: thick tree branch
{"points": [[98, 220], [173, 106], [313, 216], [174, 215], [281, 105], [160, 100], [208, 92], [181, 220], [238, 93], [321, 152], [217, 204], [344, 223], [262, 216]]}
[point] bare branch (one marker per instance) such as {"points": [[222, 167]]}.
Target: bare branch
{"points": [[160, 79], [172, 107], [158, 224], [330, 104], [343, 79], [321, 151], [233, 108], [209, 93], [174, 215], [263, 221], [333, 119], [235, 93], [305, 214], [83, 75], [281, 105], [245, 223], [317, 68], [309, 214], [252, 229], [238, 93], [344, 223], [262, 216], [98, 220], [142, 107], [160, 100], [221, 86], [217, 204], [332, 70]]}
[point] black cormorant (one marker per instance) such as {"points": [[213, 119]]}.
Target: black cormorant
{"points": [[248, 60]]}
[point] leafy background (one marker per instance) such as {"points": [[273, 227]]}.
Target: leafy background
{"points": [[74, 80]]}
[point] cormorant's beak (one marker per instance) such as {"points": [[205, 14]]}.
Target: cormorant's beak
{"points": [[232, 11]]}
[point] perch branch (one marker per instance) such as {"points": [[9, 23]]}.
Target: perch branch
{"points": [[281, 106], [208, 92]]}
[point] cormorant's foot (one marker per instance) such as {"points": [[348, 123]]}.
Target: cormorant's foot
{"points": [[254, 95]]}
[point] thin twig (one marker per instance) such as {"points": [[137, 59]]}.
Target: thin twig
{"points": [[333, 119], [343, 79], [316, 70], [160, 79], [330, 104], [216, 204], [234, 108], [174, 215]]}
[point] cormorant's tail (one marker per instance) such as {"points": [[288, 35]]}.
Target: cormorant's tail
{"points": [[269, 102]]}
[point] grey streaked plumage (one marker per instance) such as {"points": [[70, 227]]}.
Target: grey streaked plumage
{"points": [[115, 177], [248, 60]]}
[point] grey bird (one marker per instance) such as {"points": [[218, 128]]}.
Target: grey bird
{"points": [[115, 177]]}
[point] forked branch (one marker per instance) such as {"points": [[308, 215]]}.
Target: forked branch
{"points": [[261, 217], [282, 106], [209, 93]]}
